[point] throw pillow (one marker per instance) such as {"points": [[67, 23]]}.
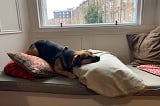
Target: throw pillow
{"points": [[32, 64], [145, 48], [14, 70]]}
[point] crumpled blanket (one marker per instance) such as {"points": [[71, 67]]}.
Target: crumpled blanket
{"points": [[109, 77]]}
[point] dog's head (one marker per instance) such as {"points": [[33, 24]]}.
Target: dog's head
{"points": [[83, 57]]}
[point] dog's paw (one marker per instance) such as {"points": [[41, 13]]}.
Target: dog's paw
{"points": [[72, 76]]}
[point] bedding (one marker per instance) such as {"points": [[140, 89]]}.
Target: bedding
{"points": [[109, 77]]}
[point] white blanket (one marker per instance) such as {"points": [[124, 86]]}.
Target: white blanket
{"points": [[109, 77]]}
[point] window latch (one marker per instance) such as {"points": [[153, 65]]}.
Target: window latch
{"points": [[61, 24], [116, 22], [0, 27]]}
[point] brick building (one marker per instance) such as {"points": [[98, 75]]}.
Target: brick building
{"points": [[62, 16], [109, 10]]}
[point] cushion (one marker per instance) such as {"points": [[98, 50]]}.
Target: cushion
{"points": [[14, 70], [109, 77], [34, 65], [145, 47]]}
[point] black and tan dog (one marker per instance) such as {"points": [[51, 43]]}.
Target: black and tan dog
{"points": [[61, 58]]}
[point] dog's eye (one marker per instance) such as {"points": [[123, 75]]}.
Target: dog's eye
{"points": [[87, 56]]}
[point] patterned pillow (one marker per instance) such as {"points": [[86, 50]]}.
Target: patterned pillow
{"points": [[32, 64], [14, 70]]}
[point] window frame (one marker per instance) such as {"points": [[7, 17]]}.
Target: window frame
{"points": [[19, 29], [41, 21]]}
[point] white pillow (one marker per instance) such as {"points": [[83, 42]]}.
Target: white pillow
{"points": [[109, 77]]}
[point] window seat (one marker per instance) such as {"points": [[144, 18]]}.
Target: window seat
{"points": [[151, 81], [62, 85], [56, 85]]}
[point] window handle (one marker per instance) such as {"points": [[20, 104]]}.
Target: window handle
{"points": [[61, 24], [116, 22], [0, 27]]}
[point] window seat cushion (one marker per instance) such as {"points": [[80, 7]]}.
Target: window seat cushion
{"points": [[56, 85], [152, 82], [62, 85]]}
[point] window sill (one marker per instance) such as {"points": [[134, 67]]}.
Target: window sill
{"points": [[9, 32], [110, 29]]}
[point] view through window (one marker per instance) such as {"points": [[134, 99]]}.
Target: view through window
{"points": [[88, 12]]}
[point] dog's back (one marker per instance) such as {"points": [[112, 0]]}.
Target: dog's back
{"points": [[48, 50]]}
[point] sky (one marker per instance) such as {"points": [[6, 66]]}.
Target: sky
{"points": [[53, 5]]}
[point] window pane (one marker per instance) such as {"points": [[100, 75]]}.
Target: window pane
{"points": [[88, 11]]}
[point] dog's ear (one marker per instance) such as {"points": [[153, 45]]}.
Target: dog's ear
{"points": [[77, 60]]}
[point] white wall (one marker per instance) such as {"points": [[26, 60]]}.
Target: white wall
{"points": [[104, 38], [18, 41]]}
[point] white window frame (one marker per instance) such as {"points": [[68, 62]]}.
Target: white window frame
{"points": [[18, 17], [41, 20]]}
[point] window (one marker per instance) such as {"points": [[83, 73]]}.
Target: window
{"points": [[89, 12], [10, 18]]}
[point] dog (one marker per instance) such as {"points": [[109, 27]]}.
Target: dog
{"points": [[61, 58]]}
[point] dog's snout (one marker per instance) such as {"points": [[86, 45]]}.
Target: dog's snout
{"points": [[96, 59]]}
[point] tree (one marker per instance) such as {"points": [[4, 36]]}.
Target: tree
{"points": [[91, 14]]}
